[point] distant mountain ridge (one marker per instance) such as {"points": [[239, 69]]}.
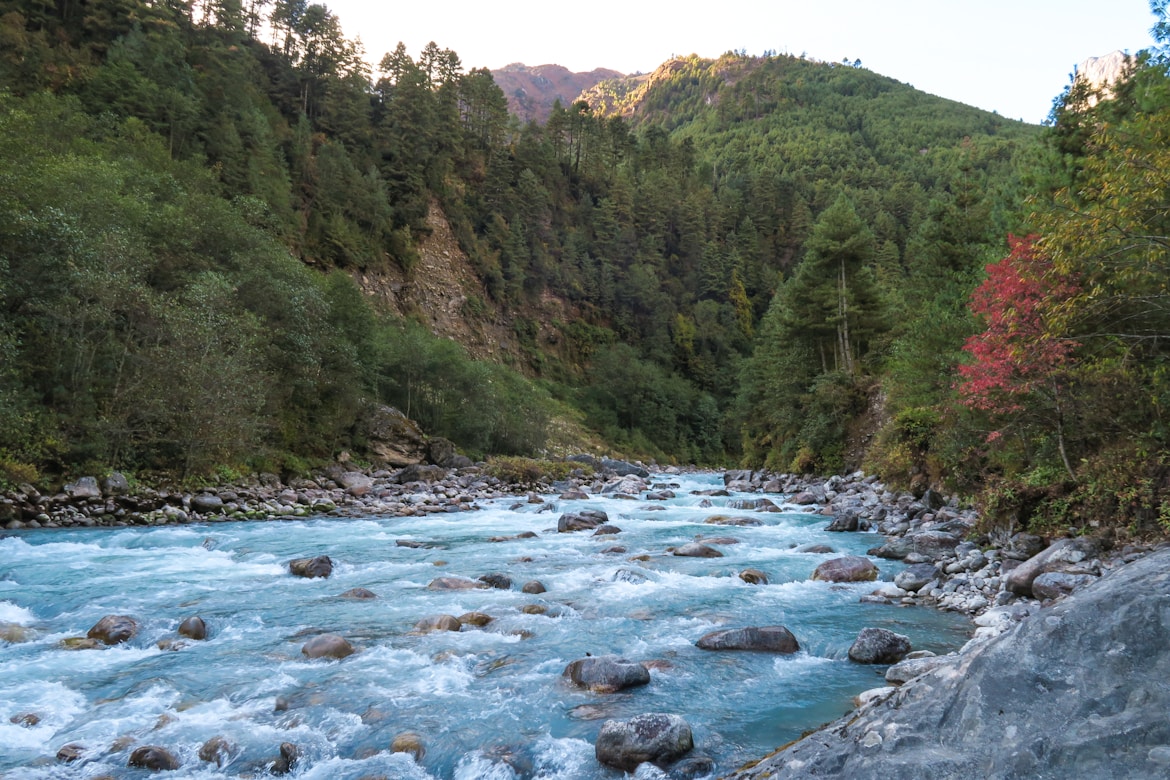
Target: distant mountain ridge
{"points": [[532, 90]]}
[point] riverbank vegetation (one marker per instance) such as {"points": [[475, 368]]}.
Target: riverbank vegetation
{"points": [[765, 260]]}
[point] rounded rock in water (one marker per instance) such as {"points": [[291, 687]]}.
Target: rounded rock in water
{"points": [[114, 629], [193, 628], [606, 674], [655, 737], [327, 646]]}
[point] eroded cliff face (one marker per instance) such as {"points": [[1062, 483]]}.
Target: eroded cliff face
{"points": [[1100, 73], [445, 293]]}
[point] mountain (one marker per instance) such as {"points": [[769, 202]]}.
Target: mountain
{"points": [[532, 90]]}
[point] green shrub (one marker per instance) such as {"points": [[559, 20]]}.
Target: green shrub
{"points": [[517, 470]]}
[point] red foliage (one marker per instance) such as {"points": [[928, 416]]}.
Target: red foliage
{"points": [[1017, 353]]}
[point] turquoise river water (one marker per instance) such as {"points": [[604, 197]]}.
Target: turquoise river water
{"points": [[488, 703]]}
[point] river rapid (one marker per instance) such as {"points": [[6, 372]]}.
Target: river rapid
{"points": [[487, 702]]}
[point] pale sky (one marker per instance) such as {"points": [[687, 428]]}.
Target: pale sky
{"points": [[1009, 56]]}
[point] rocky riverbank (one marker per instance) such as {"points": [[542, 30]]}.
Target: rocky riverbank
{"points": [[931, 533]]}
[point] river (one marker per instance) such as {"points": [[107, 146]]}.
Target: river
{"points": [[488, 702]]}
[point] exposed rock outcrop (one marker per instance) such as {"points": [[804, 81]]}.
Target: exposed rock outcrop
{"points": [[1074, 691]]}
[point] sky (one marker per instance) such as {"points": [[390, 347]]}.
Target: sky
{"points": [[1009, 56]]}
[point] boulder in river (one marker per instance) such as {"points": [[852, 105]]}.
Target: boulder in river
{"points": [[533, 587], [656, 737], [67, 754], [283, 764], [1076, 690], [753, 577], [455, 583], [847, 568], [360, 594], [193, 628], [879, 646], [477, 619], [327, 646], [697, 550], [113, 629], [771, 639], [438, 623], [217, 750], [409, 742], [497, 580], [846, 521], [321, 566], [154, 758], [733, 520], [13, 632], [606, 673], [585, 520]]}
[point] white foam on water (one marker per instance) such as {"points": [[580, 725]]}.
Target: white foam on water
{"points": [[398, 766], [12, 613], [53, 703], [563, 758], [397, 673], [60, 663], [476, 766]]}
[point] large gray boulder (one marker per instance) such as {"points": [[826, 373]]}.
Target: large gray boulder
{"points": [[879, 646], [1070, 556], [773, 639], [393, 438], [327, 646], [847, 568], [585, 520], [310, 568], [914, 577], [623, 468], [606, 673], [697, 550], [654, 737], [84, 487], [1076, 691]]}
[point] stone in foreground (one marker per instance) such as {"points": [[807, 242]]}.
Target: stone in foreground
{"points": [[655, 737], [879, 646], [1076, 691]]}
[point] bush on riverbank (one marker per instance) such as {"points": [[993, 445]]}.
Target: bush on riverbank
{"points": [[520, 471]]}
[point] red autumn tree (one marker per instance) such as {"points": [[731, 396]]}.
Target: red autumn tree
{"points": [[1019, 361]]}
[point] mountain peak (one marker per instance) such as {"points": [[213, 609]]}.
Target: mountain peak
{"points": [[1100, 73], [533, 89]]}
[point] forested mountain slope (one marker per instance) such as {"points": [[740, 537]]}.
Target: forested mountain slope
{"points": [[757, 259]]}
